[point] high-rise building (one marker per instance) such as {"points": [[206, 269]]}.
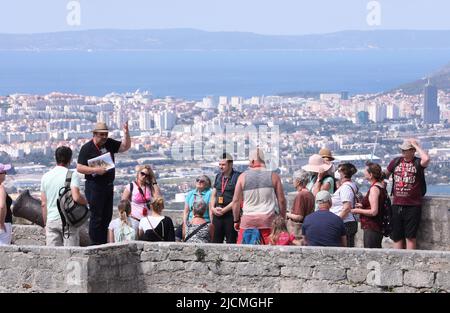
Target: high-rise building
{"points": [[223, 100], [165, 120], [377, 113], [145, 120], [393, 112], [430, 104]]}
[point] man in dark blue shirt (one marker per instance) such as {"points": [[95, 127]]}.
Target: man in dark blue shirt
{"points": [[324, 228], [99, 186], [222, 201]]}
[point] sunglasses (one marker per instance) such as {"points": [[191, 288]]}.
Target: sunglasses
{"points": [[198, 180], [2, 173], [144, 174]]}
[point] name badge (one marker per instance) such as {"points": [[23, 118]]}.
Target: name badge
{"points": [[220, 200]]}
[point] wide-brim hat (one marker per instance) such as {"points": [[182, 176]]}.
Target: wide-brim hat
{"points": [[326, 153], [406, 145], [316, 164], [100, 127]]}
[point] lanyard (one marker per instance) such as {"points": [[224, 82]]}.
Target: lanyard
{"points": [[222, 188], [96, 147]]}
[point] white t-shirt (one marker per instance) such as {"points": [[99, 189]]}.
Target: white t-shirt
{"points": [[344, 194], [144, 223], [51, 183], [116, 223]]}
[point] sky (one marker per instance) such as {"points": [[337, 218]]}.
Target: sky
{"points": [[274, 17]]}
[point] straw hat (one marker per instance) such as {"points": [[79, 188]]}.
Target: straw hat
{"points": [[406, 145], [326, 153], [100, 127]]}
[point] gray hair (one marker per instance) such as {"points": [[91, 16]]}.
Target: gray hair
{"points": [[199, 208], [302, 177]]}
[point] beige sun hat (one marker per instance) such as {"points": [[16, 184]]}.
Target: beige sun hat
{"points": [[316, 164], [100, 127], [406, 145], [326, 153]]}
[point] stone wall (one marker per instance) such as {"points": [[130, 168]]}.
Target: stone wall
{"points": [[434, 232], [177, 267]]}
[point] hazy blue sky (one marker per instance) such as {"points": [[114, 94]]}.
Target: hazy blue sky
{"points": [[259, 16]]}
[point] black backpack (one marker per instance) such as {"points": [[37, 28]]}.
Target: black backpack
{"points": [[72, 213], [420, 173], [386, 213]]}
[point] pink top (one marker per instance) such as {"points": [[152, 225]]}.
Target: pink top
{"points": [[285, 239], [138, 202]]}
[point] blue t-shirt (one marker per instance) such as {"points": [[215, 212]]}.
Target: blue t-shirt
{"points": [[193, 197], [323, 228]]}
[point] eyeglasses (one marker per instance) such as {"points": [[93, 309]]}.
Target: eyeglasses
{"points": [[144, 174], [199, 180]]}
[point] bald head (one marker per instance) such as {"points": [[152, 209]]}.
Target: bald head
{"points": [[256, 156]]}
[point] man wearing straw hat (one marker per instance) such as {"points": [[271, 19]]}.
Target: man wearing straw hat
{"points": [[99, 186], [408, 189]]}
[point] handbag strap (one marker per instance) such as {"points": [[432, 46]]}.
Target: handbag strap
{"points": [[143, 197], [195, 231], [154, 231], [354, 198]]}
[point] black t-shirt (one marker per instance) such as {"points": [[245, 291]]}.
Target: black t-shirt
{"points": [[89, 150], [228, 192], [164, 230]]}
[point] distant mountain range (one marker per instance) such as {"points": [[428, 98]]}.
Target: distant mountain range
{"points": [[191, 39], [440, 79]]}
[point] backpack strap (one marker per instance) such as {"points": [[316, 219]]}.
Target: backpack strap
{"points": [[396, 163], [195, 231], [65, 225], [131, 189]]}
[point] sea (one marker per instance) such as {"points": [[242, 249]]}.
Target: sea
{"points": [[195, 74]]}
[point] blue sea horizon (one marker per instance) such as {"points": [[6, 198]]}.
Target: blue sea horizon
{"points": [[195, 74]]}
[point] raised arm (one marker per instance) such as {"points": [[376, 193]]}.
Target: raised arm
{"points": [[126, 142], [424, 157]]}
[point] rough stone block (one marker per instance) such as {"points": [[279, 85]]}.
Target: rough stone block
{"points": [[443, 280], [329, 273], [357, 274], [154, 256], [291, 285], [257, 269], [387, 277], [419, 279], [300, 272]]}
